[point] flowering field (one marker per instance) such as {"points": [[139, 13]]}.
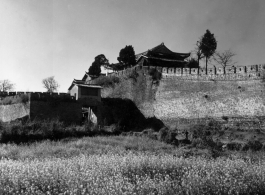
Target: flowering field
{"points": [[124, 165], [131, 173]]}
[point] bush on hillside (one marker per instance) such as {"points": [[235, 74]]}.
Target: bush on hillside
{"points": [[167, 136], [203, 135], [253, 145], [205, 130], [107, 81], [234, 146], [156, 75], [32, 131], [133, 74]]}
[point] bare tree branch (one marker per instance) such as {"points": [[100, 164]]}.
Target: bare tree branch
{"points": [[50, 84], [224, 58], [6, 85]]}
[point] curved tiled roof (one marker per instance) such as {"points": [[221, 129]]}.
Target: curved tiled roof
{"points": [[163, 50]]}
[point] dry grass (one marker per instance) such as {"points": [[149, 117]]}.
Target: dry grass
{"points": [[72, 147]]}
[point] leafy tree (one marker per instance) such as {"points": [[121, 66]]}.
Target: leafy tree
{"points": [[50, 84], [224, 58], [6, 85], [207, 45], [95, 68], [101, 59], [127, 56]]}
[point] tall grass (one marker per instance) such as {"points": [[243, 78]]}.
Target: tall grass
{"points": [[31, 131], [72, 147]]}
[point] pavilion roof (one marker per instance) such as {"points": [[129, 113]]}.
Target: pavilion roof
{"points": [[82, 84], [162, 59], [161, 51]]}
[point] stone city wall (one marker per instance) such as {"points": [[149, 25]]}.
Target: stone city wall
{"points": [[42, 106], [249, 72], [185, 94], [14, 111]]}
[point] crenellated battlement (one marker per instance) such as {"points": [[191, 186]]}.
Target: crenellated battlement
{"points": [[37, 95], [229, 73], [249, 72], [214, 71]]}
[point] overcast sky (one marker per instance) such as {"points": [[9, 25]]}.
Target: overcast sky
{"points": [[42, 38]]}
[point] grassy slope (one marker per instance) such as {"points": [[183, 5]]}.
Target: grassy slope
{"points": [[87, 146]]}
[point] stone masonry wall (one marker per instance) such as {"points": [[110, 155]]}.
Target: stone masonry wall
{"points": [[14, 111], [192, 99], [185, 95], [68, 112]]}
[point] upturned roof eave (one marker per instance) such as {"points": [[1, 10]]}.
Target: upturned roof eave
{"points": [[183, 55], [162, 59]]}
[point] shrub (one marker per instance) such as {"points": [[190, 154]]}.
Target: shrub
{"points": [[234, 146], [156, 75], [205, 130], [254, 145], [167, 136], [150, 133], [162, 134], [203, 135], [225, 118], [133, 74], [107, 81], [39, 130], [198, 143]]}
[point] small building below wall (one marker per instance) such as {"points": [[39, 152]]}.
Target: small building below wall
{"points": [[89, 97], [80, 90]]}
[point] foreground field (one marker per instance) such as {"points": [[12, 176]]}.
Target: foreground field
{"points": [[124, 165]]}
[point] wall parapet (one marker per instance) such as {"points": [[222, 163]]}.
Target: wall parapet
{"points": [[248, 72], [37, 95], [215, 77], [239, 72]]}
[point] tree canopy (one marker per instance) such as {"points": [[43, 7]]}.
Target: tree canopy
{"points": [[50, 84], [6, 85], [192, 63], [127, 56], [224, 58], [207, 45], [95, 68]]}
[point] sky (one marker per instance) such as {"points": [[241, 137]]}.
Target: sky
{"points": [[60, 38]]}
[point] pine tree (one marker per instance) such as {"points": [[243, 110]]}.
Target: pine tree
{"points": [[208, 45]]}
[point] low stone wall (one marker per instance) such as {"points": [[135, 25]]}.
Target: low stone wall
{"points": [[14, 111]]}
